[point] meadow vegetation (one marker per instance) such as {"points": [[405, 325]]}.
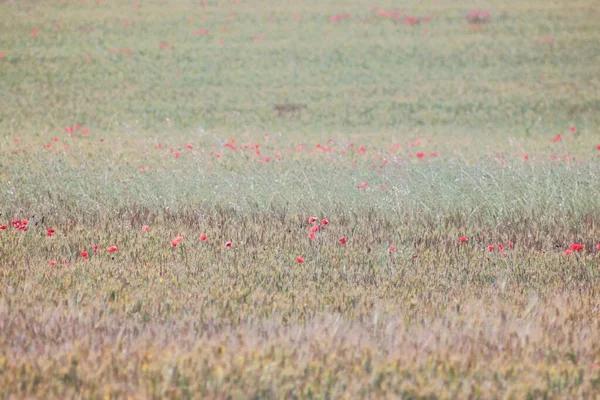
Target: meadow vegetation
{"points": [[164, 165]]}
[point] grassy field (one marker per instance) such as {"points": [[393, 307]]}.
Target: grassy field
{"points": [[266, 199]]}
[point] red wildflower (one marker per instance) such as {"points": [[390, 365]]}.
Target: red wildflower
{"points": [[598, 147], [267, 159], [145, 228], [52, 263], [189, 146], [362, 185], [525, 156], [95, 249], [312, 220], [597, 246], [567, 252], [177, 154], [420, 155], [50, 232], [324, 222], [112, 249], [3, 227], [557, 138], [203, 237], [202, 32], [228, 244], [463, 239], [576, 247], [176, 241], [573, 129], [491, 247], [510, 244], [299, 260], [392, 249], [415, 256], [500, 246], [342, 240], [142, 169], [85, 255], [314, 228]]}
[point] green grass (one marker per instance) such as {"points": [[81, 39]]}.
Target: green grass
{"points": [[403, 309]]}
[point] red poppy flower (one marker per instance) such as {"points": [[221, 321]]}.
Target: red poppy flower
{"points": [[500, 246], [573, 129], [415, 256], [50, 232], [392, 249], [3, 227], [312, 235], [176, 241], [267, 159], [312, 220], [16, 223], [324, 222], [510, 244], [576, 247], [299, 260], [228, 244], [491, 247], [314, 228], [189, 146], [52, 263], [420, 155], [362, 185], [145, 228], [85, 255], [203, 237], [597, 246], [177, 154], [24, 222], [142, 169], [463, 239], [112, 249], [557, 138], [567, 252], [525, 156], [342, 240]]}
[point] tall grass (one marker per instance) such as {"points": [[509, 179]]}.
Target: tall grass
{"points": [[412, 137]]}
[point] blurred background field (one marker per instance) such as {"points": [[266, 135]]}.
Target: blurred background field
{"points": [[404, 125]]}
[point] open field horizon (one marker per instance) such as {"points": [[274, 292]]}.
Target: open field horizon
{"points": [[258, 199]]}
